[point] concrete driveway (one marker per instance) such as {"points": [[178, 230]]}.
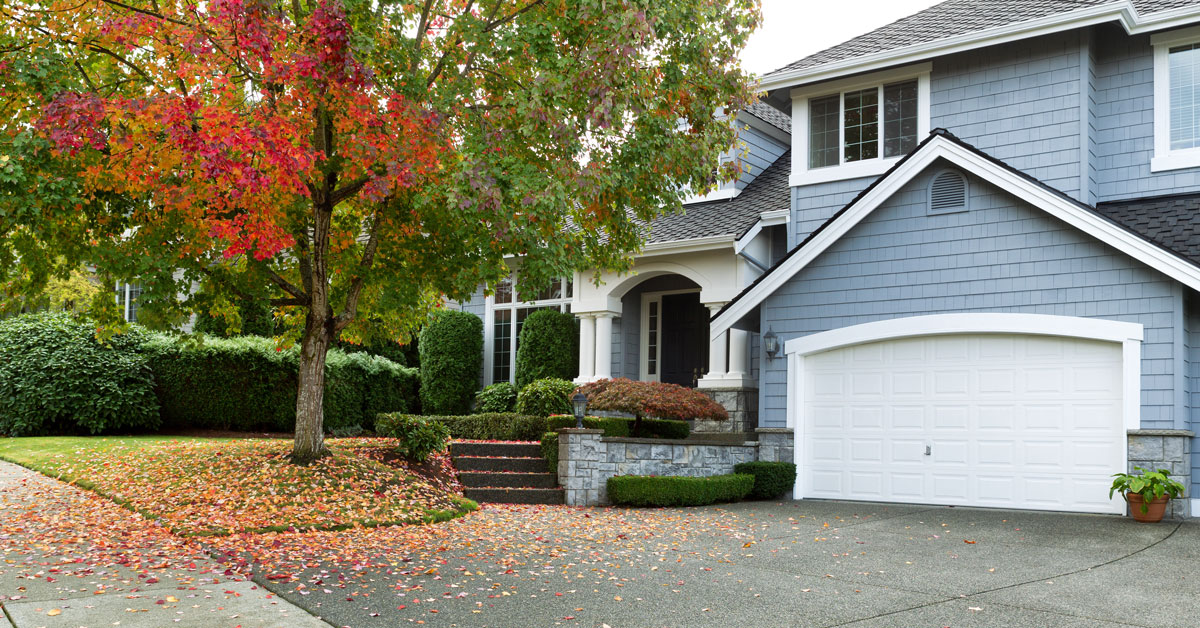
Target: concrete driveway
{"points": [[762, 564]]}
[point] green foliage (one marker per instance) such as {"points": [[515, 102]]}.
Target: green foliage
{"points": [[498, 397], [771, 479], [389, 349], [544, 397], [56, 377], [652, 399], [249, 384], [550, 450], [1149, 484], [451, 348], [419, 436], [651, 490], [546, 347], [623, 428], [247, 318], [497, 426]]}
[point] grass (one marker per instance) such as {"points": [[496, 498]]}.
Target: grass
{"points": [[217, 486]]}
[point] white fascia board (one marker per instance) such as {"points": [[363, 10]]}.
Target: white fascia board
{"points": [[687, 246], [719, 194], [775, 217], [940, 147], [1122, 12], [765, 128]]}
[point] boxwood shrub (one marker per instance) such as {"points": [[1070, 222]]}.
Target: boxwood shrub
{"points": [[419, 437], [451, 347], [498, 397], [650, 490], [771, 479], [550, 450], [545, 397], [546, 347], [623, 428], [56, 377], [516, 426], [247, 384]]}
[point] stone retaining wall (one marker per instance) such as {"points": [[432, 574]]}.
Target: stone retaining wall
{"points": [[586, 459], [1165, 449], [740, 403]]}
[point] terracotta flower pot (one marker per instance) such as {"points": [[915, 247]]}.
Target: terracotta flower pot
{"points": [[1155, 509]]}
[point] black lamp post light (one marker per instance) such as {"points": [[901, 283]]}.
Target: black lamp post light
{"points": [[770, 343], [579, 403]]}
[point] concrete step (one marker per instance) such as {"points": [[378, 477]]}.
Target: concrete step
{"points": [[477, 479], [496, 450], [516, 495], [487, 463]]}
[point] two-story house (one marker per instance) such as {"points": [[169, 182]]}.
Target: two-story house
{"points": [[980, 228]]}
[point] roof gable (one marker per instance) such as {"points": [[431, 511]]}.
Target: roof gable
{"points": [[942, 145]]}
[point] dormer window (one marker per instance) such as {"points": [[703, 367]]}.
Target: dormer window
{"points": [[1176, 100], [858, 127]]}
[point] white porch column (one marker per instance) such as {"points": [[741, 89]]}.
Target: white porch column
{"points": [[716, 349], [587, 348], [739, 353], [604, 321]]}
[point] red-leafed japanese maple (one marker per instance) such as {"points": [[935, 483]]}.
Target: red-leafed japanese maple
{"points": [[651, 400], [350, 162]]}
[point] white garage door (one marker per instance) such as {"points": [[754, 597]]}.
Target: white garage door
{"points": [[1010, 421]]}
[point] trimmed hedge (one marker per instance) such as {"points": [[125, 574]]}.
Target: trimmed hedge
{"points": [[545, 349], [247, 384], [257, 320], [419, 437], [515, 426], [771, 479], [545, 397], [498, 397], [550, 450], [56, 377], [451, 348], [650, 490], [619, 427]]}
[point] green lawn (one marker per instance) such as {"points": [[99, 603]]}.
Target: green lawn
{"points": [[213, 486]]}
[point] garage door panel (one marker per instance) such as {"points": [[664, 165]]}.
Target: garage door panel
{"points": [[1011, 421]]}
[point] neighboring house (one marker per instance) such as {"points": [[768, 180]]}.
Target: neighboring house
{"points": [[989, 291]]}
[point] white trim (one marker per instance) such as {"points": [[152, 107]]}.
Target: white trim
{"points": [[940, 147], [775, 217], [1130, 336], [1122, 12], [802, 175], [688, 246], [1165, 158], [644, 338], [719, 194], [1195, 507], [764, 127]]}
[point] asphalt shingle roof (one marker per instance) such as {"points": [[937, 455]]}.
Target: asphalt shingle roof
{"points": [[958, 17], [769, 191], [771, 116], [1171, 222]]}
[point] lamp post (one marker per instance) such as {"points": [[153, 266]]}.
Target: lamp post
{"points": [[579, 403], [770, 343]]}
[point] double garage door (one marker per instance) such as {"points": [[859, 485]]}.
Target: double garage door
{"points": [[994, 420]]}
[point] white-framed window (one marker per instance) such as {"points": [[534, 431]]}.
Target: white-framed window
{"points": [[1176, 100], [506, 314], [858, 127], [128, 296]]}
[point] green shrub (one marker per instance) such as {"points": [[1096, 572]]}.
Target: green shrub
{"points": [[550, 450], [257, 320], [649, 490], [451, 346], [498, 397], [388, 349], [56, 377], [771, 479], [544, 397], [419, 437], [248, 384], [497, 426], [622, 427], [545, 349]]}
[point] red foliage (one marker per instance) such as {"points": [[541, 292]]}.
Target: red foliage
{"points": [[651, 399]]}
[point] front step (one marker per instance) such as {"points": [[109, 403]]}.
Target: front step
{"points": [[516, 495], [488, 463], [475, 479], [495, 450]]}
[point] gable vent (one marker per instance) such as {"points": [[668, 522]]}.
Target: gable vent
{"points": [[948, 193]]}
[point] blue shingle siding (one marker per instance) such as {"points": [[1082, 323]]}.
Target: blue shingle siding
{"points": [[1092, 129], [1019, 102], [1002, 256], [760, 152], [812, 205], [1192, 342], [1124, 113]]}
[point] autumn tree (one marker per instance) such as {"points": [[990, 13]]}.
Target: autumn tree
{"points": [[351, 162]]}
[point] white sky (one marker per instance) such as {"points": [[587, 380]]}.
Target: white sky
{"points": [[793, 29]]}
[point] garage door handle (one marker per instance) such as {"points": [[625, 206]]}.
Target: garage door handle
{"points": [[928, 450]]}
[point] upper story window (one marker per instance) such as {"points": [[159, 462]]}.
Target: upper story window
{"points": [[858, 127], [1176, 100]]}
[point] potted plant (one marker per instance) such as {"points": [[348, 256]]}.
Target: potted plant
{"points": [[1147, 492]]}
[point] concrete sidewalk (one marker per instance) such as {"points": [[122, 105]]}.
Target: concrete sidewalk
{"points": [[71, 558]]}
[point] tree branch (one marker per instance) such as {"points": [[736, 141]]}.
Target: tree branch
{"points": [[145, 12], [437, 69], [510, 17], [420, 39], [348, 190], [356, 284]]}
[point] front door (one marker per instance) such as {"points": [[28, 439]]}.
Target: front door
{"points": [[684, 328]]}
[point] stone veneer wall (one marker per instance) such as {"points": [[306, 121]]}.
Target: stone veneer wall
{"points": [[1165, 449], [740, 403], [776, 444], [586, 459]]}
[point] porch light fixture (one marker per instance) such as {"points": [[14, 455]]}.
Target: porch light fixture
{"points": [[579, 403], [770, 343]]}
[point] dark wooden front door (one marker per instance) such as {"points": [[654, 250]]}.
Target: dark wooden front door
{"points": [[684, 339]]}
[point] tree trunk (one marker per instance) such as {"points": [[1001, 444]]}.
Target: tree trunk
{"points": [[310, 411]]}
